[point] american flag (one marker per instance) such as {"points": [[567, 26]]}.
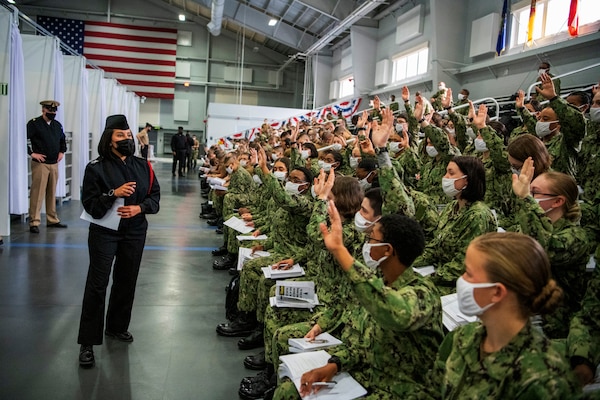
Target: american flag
{"points": [[139, 57]]}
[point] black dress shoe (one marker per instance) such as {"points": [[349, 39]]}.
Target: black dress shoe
{"points": [[221, 251], [233, 271], [56, 225], [122, 336], [86, 356], [211, 216], [213, 222], [256, 362], [225, 262], [242, 326], [253, 341], [34, 229], [256, 390], [265, 374], [219, 231]]}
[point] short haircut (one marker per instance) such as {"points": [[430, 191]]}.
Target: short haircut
{"points": [[368, 164], [337, 156], [405, 235], [473, 168], [524, 146], [308, 175], [466, 91], [285, 161], [375, 200], [584, 98]]}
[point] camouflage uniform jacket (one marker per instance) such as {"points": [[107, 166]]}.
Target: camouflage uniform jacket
{"points": [[456, 229], [568, 248], [528, 367], [498, 175], [241, 185], [529, 122], [588, 165], [408, 165], [460, 129], [406, 332], [584, 333]]}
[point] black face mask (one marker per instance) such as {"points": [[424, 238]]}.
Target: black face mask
{"points": [[125, 147], [50, 116]]}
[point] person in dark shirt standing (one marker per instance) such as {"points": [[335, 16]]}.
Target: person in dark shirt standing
{"points": [[48, 147], [179, 149]]}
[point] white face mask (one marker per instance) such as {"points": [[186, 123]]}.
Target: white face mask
{"points": [[542, 129], [451, 131], [229, 170], [595, 114], [542, 71], [399, 128], [441, 87], [461, 96], [280, 175], [431, 151], [325, 166], [364, 183], [361, 223], [544, 199], [274, 157], [353, 162], [312, 192], [336, 146], [515, 171], [257, 179], [466, 299], [243, 163], [305, 154], [471, 133], [448, 186], [394, 147], [366, 252], [293, 188], [480, 146]]}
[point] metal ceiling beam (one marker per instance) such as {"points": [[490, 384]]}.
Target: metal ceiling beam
{"points": [[317, 9]]}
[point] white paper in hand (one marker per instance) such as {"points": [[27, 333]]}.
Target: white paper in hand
{"points": [[110, 220]]}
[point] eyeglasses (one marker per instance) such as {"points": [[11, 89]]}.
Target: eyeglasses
{"points": [[369, 238]]}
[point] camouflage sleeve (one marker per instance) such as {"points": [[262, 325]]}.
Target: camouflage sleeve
{"points": [[297, 204], [583, 343], [350, 356], [393, 191], [533, 220], [528, 120], [413, 124], [405, 309], [296, 159], [496, 147], [572, 122], [460, 128]]}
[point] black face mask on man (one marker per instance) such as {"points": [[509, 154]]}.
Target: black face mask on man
{"points": [[125, 147], [50, 116]]}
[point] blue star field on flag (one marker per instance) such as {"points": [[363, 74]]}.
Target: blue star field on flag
{"points": [[70, 31]]}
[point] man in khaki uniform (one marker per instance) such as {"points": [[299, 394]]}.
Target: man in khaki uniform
{"points": [[48, 147]]}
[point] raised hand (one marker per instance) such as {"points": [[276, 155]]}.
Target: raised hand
{"points": [[547, 87], [447, 101], [479, 119], [405, 93], [520, 99], [521, 183]]}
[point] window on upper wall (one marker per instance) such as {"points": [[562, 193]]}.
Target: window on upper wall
{"points": [[346, 87], [551, 20], [410, 64]]}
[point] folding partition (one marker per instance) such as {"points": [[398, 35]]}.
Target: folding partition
{"points": [[96, 107], [6, 25]]}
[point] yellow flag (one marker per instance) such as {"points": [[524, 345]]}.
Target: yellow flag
{"points": [[531, 22]]}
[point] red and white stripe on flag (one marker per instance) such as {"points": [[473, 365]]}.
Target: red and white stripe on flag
{"points": [[142, 58]]}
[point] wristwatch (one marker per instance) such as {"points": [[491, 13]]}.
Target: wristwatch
{"points": [[380, 150], [336, 360], [111, 193]]}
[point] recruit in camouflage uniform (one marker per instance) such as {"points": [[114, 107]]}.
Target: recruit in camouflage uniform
{"points": [[391, 354], [407, 164], [568, 249], [456, 228], [240, 186], [331, 287], [588, 165], [435, 168], [528, 367]]}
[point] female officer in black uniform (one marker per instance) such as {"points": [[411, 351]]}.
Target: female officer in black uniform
{"points": [[115, 173]]}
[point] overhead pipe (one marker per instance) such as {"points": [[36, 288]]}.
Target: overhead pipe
{"points": [[216, 17]]}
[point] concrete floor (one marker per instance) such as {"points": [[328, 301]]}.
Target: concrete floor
{"points": [[179, 301]]}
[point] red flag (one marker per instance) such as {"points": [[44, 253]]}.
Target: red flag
{"points": [[574, 18]]}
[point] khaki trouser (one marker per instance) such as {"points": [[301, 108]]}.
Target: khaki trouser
{"points": [[43, 185]]}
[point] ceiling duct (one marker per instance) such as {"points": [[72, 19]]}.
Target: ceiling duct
{"points": [[216, 17]]}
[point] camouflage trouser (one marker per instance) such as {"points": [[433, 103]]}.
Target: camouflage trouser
{"points": [[250, 277], [262, 295], [276, 318], [280, 345]]}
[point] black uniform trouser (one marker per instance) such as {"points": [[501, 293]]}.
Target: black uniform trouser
{"points": [[126, 251], [179, 156], [144, 152]]}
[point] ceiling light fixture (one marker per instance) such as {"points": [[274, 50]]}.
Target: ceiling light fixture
{"points": [[181, 17], [11, 1], [272, 22]]}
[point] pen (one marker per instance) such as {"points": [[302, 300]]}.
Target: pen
{"points": [[329, 384], [316, 340]]}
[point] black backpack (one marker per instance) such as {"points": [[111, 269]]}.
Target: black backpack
{"points": [[231, 298]]}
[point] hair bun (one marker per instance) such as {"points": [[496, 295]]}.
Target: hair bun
{"points": [[548, 299]]}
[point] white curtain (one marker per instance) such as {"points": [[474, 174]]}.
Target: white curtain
{"points": [[76, 118], [18, 200], [111, 100], [97, 107], [59, 95]]}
